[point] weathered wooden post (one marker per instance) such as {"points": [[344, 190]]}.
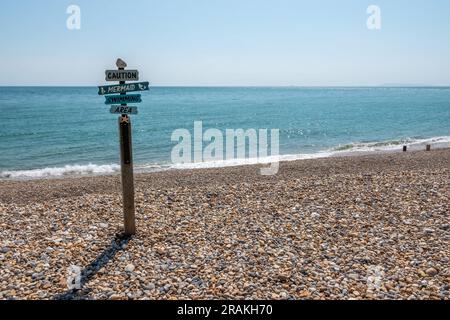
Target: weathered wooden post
{"points": [[405, 148], [428, 147], [124, 122], [126, 165]]}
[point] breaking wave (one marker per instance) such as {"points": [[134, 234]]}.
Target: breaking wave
{"points": [[250, 161], [391, 145], [68, 170], [345, 149]]}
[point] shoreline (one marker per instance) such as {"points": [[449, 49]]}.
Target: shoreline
{"points": [[101, 182], [114, 169], [319, 229]]}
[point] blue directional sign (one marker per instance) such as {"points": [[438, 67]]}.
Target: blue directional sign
{"points": [[123, 110], [122, 88], [122, 99]]}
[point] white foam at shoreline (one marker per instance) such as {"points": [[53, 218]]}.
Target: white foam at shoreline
{"points": [[68, 170], [392, 145], [250, 161], [352, 149], [348, 149]]}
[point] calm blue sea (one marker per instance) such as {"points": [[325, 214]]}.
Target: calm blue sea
{"points": [[53, 131]]}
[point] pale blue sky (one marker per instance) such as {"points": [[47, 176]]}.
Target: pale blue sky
{"points": [[227, 42]]}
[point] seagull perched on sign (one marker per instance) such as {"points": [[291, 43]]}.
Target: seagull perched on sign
{"points": [[120, 63]]}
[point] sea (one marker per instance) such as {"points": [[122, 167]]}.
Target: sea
{"points": [[51, 132]]}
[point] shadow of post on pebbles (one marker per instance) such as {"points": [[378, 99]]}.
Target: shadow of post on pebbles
{"points": [[91, 270]]}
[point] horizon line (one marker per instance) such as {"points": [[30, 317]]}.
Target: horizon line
{"points": [[236, 86]]}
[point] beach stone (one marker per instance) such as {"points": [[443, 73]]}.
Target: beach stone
{"points": [[160, 250], [353, 276], [37, 276], [129, 268], [304, 294], [431, 272], [4, 250], [150, 286], [422, 273], [283, 277]]}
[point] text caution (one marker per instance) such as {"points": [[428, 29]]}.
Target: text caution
{"points": [[122, 75]]}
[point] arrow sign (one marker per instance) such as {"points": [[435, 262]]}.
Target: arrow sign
{"points": [[122, 99], [122, 88], [122, 75], [123, 110]]}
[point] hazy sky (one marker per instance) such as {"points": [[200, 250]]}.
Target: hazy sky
{"points": [[227, 42]]}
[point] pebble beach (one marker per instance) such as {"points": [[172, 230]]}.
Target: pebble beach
{"points": [[355, 227]]}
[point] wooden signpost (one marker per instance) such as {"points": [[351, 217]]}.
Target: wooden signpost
{"points": [[126, 146]]}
